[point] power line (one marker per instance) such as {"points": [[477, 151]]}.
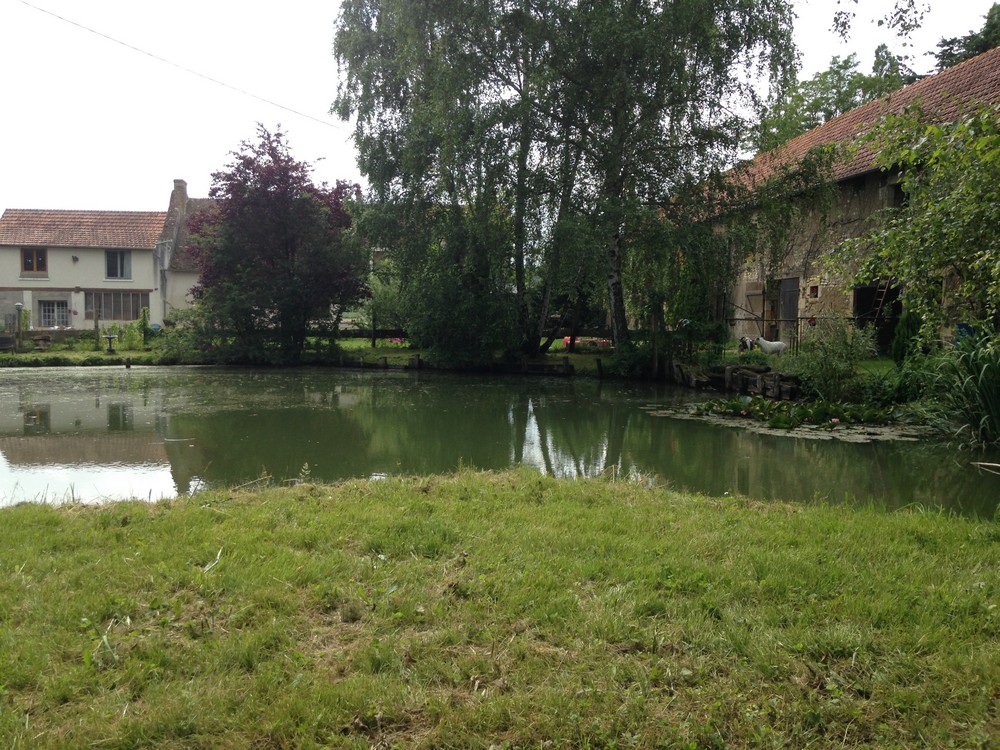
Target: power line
{"points": [[216, 81]]}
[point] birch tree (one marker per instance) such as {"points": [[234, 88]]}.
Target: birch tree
{"points": [[531, 115]]}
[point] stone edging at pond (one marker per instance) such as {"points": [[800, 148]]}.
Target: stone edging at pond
{"points": [[761, 381]]}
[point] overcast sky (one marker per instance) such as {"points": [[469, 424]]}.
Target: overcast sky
{"points": [[101, 121]]}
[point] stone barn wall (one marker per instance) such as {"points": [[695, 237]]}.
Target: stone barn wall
{"points": [[800, 287]]}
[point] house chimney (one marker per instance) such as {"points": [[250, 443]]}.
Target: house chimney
{"points": [[178, 198], [175, 211]]}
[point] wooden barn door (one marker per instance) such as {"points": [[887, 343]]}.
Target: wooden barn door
{"points": [[788, 310]]}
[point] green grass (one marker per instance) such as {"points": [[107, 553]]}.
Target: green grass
{"points": [[495, 610], [396, 354], [399, 354], [67, 358], [879, 366], [353, 349]]}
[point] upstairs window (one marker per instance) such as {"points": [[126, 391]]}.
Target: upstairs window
{"points": [[118, 264], [34, 261]]}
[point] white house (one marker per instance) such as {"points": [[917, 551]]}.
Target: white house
{"points": [[80, 269]]}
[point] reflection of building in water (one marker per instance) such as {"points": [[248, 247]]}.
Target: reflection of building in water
{"points": [[37, 420], [116, 423], [111, 448], [120, 418], [117, 416], [75, 414]]}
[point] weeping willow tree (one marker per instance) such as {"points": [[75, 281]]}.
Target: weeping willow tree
{"points": [[512, 147]]}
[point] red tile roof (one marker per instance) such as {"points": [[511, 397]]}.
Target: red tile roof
{"points": [[944, 96], [105, 229]]}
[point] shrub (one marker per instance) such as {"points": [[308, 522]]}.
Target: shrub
{"points": [[906, 339], [457, 319], [828, 360], [752, 358], [74, 341], [632, 361], [384, 307]]}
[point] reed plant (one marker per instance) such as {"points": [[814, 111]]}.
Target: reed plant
{"points": [[495, 610], [966, 390]]}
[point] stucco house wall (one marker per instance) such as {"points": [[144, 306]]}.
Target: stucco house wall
{"points": [[179, 270], [61, 264], [82, 269]]}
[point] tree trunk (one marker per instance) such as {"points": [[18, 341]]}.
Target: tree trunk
{"points": [[616, 293], [529, 344], [615, 192]]}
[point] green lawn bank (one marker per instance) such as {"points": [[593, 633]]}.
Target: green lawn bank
{"points": [[495, 610]]}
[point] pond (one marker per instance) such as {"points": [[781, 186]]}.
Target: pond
{"points": [[91, 435]]}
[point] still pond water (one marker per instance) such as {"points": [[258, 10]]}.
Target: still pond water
{"points": [[100, 434]]}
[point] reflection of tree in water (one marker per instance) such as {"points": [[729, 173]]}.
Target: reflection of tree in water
{"points": [[231, 447], [229, 426], [356, 426], [716, 460], [887, 474], [439, 425], [583, 437]]}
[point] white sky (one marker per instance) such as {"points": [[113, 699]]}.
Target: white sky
{"points": [[88, 123]]}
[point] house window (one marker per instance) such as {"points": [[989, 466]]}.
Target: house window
{"points": [[53, 314], [120, 417], [114, 305], [118, 264], [37, 420], [34, 261]]}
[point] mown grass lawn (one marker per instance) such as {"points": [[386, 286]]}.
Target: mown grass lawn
{"points": [[398, 354], [495, 610]]}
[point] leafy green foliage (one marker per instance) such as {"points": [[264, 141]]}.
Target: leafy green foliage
{"points": [[965, 383], [681, 268], [752, 358], [272, 254], [958, 49], [133, 336], [560, 121], [455, 320], [383, 309], [762, 222], [829, 94], [905, 340], [941, 247], [791, 414], [903, 17], [828, 359]]}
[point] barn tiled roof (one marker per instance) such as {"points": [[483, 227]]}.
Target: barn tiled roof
{"points": [[104, 229], [944, 96]]}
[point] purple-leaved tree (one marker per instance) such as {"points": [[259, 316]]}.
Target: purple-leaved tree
{"points": [[273, 253]]}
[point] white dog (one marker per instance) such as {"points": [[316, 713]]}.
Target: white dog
{"points": [[771, 347]]}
